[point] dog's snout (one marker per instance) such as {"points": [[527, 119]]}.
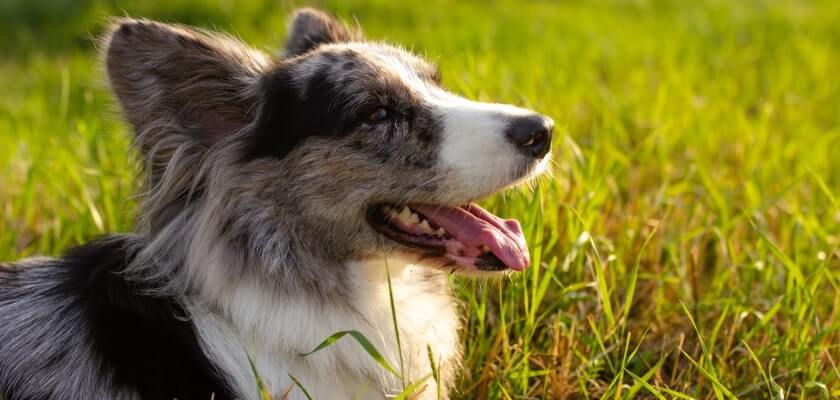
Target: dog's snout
{"points": [[531, 134]]}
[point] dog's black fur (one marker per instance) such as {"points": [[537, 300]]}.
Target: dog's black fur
{"points": [[143, 338]]}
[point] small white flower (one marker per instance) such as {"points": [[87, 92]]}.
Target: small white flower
{"points": [[583, 238]]}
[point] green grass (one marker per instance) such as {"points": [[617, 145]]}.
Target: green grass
{"points": [[686, 246]]}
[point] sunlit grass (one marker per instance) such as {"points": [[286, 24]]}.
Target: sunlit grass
{"points": [[686, 245]]}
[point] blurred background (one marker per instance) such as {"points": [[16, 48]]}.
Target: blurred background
{"points": [[686, 244]]}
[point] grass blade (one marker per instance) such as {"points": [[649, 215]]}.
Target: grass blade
{"points": [[642, 382], [411, 390], [394, 319], [760, 368], [710, 376], [262, 389], [789, 264], [603, 288], [364, 342], [300, 386], [435, 371]]}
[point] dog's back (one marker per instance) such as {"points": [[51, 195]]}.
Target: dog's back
{"points": [[76, 328]]}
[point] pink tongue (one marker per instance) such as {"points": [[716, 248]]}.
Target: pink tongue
{"points": [[475, 226]]}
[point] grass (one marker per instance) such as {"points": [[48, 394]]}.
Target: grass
{"points": [[686, 246]]}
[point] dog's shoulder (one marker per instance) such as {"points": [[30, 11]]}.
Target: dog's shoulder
{"points": [[77, 323]]}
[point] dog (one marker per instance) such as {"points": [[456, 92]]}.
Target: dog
{"points": [[285, 199]]}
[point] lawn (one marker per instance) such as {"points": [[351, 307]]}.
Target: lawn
{"points": [[686, 245]]}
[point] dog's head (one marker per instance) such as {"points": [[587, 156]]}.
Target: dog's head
{"points": [[341, 148]]}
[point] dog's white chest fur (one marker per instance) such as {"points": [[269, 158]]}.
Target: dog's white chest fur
{"points": [[275, 330]]}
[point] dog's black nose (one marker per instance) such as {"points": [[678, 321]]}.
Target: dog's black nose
{"points": [[531, 134]]}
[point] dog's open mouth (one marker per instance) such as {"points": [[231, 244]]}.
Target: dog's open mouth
{"points": [[468, 236]]}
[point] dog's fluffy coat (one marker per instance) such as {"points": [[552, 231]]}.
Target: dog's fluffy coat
{"points": [[253, 239]]}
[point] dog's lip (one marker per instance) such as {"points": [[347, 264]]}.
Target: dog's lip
{"points": [[474, 238], [379, 221]]}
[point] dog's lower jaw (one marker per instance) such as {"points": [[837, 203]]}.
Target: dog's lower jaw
{"points": [[275, 330]]}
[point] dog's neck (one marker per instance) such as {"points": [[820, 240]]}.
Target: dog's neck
{"points": [[274, 329]]}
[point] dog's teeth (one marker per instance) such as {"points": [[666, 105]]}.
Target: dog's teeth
{"points": [[440, 232], [485, 249], [425, 228], [405, 215], [414, 219]]}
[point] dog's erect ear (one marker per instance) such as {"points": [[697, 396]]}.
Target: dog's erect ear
{"points": [[311, 28], [182, 90], [175, 81]]}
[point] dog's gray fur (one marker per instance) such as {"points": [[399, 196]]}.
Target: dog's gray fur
{"points": [[43, 354]]}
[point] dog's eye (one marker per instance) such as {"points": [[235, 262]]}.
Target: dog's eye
{"points": [[379, 115]]}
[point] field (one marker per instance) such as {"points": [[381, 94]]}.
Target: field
{"points": [[686, 245]]}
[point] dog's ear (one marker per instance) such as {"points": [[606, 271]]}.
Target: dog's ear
{"points": [[310, 28], [182, 90], [175, 81]]}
